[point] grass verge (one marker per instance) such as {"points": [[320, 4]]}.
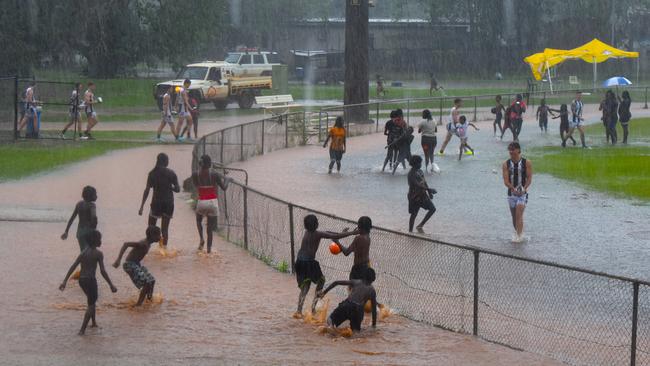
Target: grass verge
{"points": [[25, 158], [621, 171]]}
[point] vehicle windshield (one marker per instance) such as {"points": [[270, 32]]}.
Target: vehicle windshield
{"points": [[193, 73], [233, 57]]}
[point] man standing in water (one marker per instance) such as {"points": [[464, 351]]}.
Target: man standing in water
{"points": [[517, 177], [577, 121], [164, 183], [139, 274], [361, 248]]}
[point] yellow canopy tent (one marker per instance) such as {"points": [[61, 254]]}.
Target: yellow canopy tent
{"points": [[594, 52]]}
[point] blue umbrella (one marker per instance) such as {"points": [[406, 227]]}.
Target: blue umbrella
{"points": [[616, 81]]}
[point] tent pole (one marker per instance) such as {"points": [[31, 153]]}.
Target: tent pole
{"points": [[550, 81], [595, 73]]}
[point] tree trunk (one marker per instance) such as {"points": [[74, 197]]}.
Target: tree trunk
{"points": [[356, 60]]}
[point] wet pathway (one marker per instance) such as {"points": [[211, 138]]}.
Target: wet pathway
{"points": [[229, 308]]}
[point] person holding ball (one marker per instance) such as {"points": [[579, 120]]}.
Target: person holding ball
{"points": [[307, 267]]}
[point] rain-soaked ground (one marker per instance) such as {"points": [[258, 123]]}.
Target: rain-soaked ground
{"points": [[566, 223], [228, 308]]}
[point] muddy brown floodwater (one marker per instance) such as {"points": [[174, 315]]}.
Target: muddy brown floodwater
{"points": [[227, 308]]}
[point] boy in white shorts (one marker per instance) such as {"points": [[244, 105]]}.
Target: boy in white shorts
{"points": [[167, 118], [461, 132]]}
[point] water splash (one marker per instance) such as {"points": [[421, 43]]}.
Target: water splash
{"points": [[167, 252]]}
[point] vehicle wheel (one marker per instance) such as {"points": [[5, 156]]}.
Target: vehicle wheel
{"points": [[221, 104], [245, 100]]}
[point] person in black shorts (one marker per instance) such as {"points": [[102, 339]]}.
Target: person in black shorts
{"points": [[360, 247], [351, 309], [89, 259], [564, 122], [164, 183], [419, 195], [307, 267], [624, 113], [391, 132]]}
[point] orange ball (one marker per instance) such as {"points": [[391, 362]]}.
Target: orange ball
{"points": [[335, 248]]}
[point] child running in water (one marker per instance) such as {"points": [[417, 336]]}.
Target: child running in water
{"points": [[564, 122], [89, 258], [351, 308], [391, 132], [86, 211], [542, 115], [498, 110], [307, 267], [361, 248], [461, 131], [337, 146], [139, 274], [428, 130], [419, 195]]}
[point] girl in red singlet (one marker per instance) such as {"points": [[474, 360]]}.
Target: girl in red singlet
{"points": [[206, 182]]}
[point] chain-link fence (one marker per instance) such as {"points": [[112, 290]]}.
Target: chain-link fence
{"points": [[474, 107], [8, 108], [573, 315]]}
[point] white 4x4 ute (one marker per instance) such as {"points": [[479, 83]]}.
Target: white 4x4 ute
{"points": [[252, 63], [214, 81]]}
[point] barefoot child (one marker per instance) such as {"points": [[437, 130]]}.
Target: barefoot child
{"points": [[87, 217], [351, 309], [89, 258], [307, 267], [361, 248], [419, 195], [461, 130], [139, 274]]}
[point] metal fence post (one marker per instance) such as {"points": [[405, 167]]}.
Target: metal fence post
{"points": [[16, 108], [245, 217], [475, 107], [377, 129], [304, 127], [635, 313], [292, 239], [320, 124], [286, 130], [263, 133], [222, 138], [440, 123], [646, 98], [475, 313], [203, 144], [241, 143], [408, 112]]}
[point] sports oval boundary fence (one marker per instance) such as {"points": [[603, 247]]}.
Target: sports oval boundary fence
{"points": [[570, 314]]}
